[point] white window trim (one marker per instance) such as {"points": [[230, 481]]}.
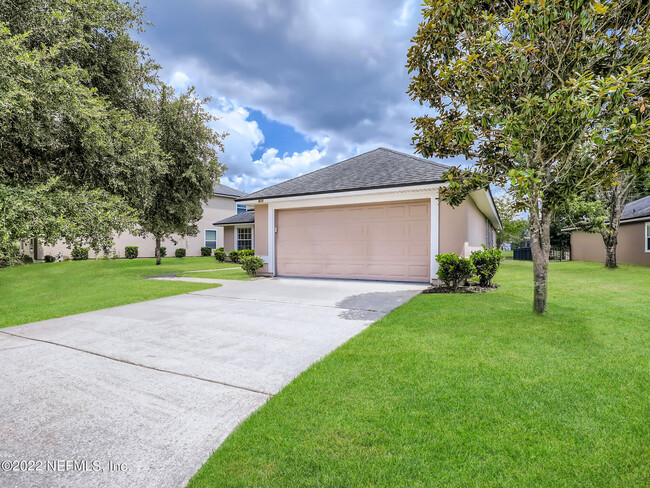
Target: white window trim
{"points": [[252, 228], [216, 238], [646, 226]]}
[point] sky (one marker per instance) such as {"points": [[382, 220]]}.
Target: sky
{"points": [[297, 84]]}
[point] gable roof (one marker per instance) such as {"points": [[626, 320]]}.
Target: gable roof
{"points": [[637, 209], [247, 217], [379, 168], [227, 191]]}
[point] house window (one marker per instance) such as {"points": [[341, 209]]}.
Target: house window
{"points": [[241, 208], [244, 238], [210, 239], [647, 237]]}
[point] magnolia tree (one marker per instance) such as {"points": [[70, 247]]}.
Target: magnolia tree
{"points": [[548, 97], [513, 226]]}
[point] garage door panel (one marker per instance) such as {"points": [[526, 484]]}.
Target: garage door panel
{"points": [[382, 241]]}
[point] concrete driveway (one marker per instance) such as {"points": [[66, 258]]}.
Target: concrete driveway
{"points": [[140, 395]]}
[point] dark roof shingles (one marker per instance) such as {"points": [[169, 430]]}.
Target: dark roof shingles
{"points": [[380, 168], [637, 209], [220, 189], [247, 217]]}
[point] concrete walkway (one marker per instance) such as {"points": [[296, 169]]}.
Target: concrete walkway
{"points": [[140, 395]]}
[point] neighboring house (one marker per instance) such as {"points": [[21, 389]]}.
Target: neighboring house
{"points": [[375, 216], [633, 238], [221, 205]]}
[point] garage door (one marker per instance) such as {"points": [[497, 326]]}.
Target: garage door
{"points": [[388, 241]]}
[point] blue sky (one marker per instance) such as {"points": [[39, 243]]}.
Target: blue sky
{"points": [[297, 84]]}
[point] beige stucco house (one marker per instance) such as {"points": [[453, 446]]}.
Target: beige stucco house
{"points": [[375, 216], [221, 205], [633, 238]]}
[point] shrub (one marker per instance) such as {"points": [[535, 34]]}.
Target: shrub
{"points": [[79, 253], [48, 258], [206, 251], [9, 255], [454, 270], [180, 252], [220, 255], [234, 256], [163, 252], [131, 252], [246, 252], [26, 259], [486, 262], [251, 264]]}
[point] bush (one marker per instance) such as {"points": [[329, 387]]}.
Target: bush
{"points": [[9, 255], [206, 251], [26, 259], [246, 252], [180, 252], [220, 255], [251, 264], [454, 270], [48, 258], [163, 252], [131, 252], [234, 256], [487, 263], [79, 253]]}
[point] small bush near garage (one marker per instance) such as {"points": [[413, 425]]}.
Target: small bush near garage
{"points": [[180, 252], [163, 252], [131, 252], [234, 256], [251, 264], [453, 270], [246, 252], [79, 253], [49, 258], [206, 251], [486, 262], [220, 255]]}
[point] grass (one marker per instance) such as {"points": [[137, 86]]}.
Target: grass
{"points": [[224, 274], [48, 290], [468, 391]]}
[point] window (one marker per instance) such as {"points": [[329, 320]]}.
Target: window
{"points": [[647, 237], [489, 236], [241, 208], [244, 238], [210, 239]]}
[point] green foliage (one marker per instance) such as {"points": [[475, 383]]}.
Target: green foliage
{"points": [[454, 270], [79, 253], [9, 254], [513, 226], [206, 251], [131, 252], [27, 259], [247, 252], [163, 251], [486, 263], [180, 252], [220, 255], [234, 256], [251, 264], [48, 258]]}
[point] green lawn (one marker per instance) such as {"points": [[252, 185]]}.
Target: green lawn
{"points": [[48, 290], [224, 274], [468, 391]]}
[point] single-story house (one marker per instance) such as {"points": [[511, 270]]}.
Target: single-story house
{"points": [[221, 205], [375, 216], [633, 238]]}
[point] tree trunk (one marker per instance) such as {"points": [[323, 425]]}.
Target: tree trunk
{"points": [[540, 246], [616, 198], [158, 260]]}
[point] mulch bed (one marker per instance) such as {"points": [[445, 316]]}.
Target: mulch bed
{"points": [[440, 287]]}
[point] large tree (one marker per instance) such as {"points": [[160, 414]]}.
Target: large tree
{"points": [[513, 225], [75, 102], [526, 88], [192, 168]]}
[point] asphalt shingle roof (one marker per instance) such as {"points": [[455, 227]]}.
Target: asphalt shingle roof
{"points": [[379, 168], [637, 209], [220, 189], [247, 217]]}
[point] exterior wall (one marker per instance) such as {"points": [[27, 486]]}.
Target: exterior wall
{"points": [[262, 235], [229, 238], [462, 229], [630, 249], [216, 209]]}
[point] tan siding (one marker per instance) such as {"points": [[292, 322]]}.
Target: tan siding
{"points": [[229, 238], [462, 229], [261, 234], [630, 249]]}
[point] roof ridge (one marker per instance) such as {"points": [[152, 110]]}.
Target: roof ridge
{"points": [[417, 158]]}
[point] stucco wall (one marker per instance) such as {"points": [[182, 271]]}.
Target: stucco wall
{"points": [[462, 229], [630, 249], [261, 234], [229, 238], [217, 208]]}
